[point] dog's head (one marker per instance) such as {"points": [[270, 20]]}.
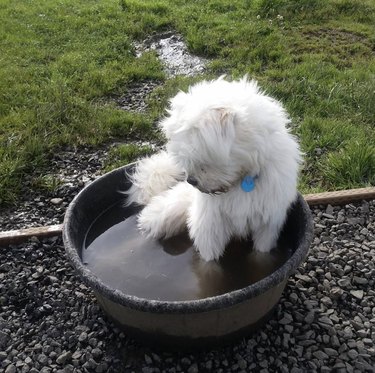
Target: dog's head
{"points": [[216, 132]]}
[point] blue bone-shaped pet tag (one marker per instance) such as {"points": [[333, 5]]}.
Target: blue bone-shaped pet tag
{"points": [[248, 183]]}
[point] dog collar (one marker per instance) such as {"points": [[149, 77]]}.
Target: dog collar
{"points": [[248, 183]]}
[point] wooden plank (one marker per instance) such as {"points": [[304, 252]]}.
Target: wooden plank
{"points": [[20, 235], [334, 198], [340, 197]]}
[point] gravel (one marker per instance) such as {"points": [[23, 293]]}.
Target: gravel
{"points": [[51, 322], [71, 169]]}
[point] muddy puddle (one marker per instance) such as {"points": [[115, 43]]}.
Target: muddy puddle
{"points": [[173, 52], [177, 60]]}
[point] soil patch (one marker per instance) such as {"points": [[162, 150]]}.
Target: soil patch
{"points": [[135, 98]]}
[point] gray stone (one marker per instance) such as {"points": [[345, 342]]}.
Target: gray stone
{"points": [[56, 201], [344, 282], [293, 297], [69, 368], [310, 317], [101, 368], [307, 342], [326, 301], [193, 368], [360, 280], [11, 369], [368, 341], [348, 333], [64, 357], [329, 209], [4, 338], [45, 370], [28, 360], [242, 364], [320, 355], [287, 319], [43, 359], [336, 292], [96, 353], [335, 341], [304, 278], [353, 354], [353, 221], [325, 320], [147, 370], [364, 231], [331, 351], [357, 293], [362, 333], [148, 360], [82, 337], [76, 355]]}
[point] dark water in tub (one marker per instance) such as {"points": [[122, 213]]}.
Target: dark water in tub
{"points": [[171, 269]]}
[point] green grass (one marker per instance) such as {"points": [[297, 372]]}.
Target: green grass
{"points": [[124, 154], [47, 183], [62, 61]]}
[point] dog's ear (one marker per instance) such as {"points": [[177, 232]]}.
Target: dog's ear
{"points": [[218, 130], [225, 118]]}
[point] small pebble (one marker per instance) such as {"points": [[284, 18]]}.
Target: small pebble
{"points": [[43, 359], [193, 369], [64, 357], [57, 201], [11, 369], [357, 293], [82, 337], [320, 355]]}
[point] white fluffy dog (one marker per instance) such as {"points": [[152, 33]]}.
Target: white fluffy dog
{"points": [[229, 170]]}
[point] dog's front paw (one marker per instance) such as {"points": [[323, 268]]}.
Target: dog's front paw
{"points": [[208, 253], [209, 246], [150, 226], [207, 230], [165, 216]]}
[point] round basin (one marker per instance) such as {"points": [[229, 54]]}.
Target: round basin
{"points": [[170, 323]]}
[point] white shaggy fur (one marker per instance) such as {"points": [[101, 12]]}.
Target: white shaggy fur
{"points": [[153, 176], [218, 133]]}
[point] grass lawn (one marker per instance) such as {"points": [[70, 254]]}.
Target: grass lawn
{"points": [[62, 61]]}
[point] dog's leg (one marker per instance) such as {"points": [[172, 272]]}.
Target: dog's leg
{"points": [[265, 236], [207, 228], [166, 214], [153, 176]]}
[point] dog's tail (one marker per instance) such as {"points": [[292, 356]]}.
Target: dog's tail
{"points": [[151, 177]]}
